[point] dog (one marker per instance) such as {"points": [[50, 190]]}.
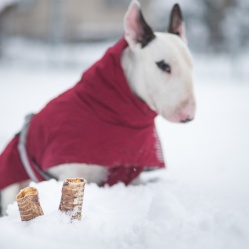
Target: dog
{"points": [[102, 129]]}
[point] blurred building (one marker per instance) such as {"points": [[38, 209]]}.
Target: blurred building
{"points": [[65, 20], [212, 26]]}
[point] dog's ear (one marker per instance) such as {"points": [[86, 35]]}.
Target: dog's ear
{"points": [[136, 28], [176, 24]]}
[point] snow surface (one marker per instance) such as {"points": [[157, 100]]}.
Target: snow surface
{"points": [[201, 201]]}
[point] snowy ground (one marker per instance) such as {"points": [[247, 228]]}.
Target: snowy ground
{"points": [[201, 201]]}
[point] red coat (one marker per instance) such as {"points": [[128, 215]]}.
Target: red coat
{"points": [[98, 121]]}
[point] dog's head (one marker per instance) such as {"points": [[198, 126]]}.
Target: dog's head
{"points": [[158, 66]]}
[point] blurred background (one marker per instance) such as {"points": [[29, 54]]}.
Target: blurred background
{"points": [[37, 29]]}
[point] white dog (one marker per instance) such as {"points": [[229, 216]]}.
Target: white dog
{"points": [[143, 75]]}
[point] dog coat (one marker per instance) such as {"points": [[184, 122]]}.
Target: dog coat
{"points": [[99, 121]]}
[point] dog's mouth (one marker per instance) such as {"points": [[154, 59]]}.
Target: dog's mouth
{"points": [[168, 116], [183, 113], [178, 116]]}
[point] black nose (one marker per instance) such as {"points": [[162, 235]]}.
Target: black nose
{"points": [[186, 120]]}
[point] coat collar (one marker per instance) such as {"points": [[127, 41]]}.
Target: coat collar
{"points": [[105, 88]]}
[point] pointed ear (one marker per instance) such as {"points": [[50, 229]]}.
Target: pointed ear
{"points": [[136, 28], [176, 24]]}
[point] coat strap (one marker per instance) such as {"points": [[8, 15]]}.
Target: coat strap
{"points": [[24, 155], [22, 149], [1, 205]]}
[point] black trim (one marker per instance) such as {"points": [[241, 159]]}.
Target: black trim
{"points": [[46, 175]]}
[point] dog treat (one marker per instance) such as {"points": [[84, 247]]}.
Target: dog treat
{"points": [[72, 197], [28, 204]]}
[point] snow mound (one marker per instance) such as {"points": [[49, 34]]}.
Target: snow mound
{"points": [[161, 213]]}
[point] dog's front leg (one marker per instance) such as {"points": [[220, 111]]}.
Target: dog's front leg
{"points": [[91, 173]]}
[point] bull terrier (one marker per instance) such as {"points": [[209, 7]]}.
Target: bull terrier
{"points": [[102, 129]]}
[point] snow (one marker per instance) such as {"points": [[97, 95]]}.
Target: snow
{"points": [[200, 201]]}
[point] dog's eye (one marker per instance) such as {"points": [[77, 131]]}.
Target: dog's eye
{"points": [[164, 66]]}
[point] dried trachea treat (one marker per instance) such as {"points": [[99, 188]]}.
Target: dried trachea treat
{"points": [[72, 197], [28, 204]]}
